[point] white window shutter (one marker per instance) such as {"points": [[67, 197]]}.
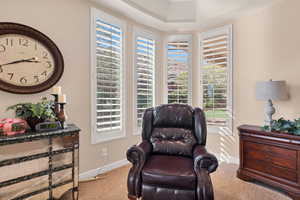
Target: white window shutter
{"points": [[144, 69], [109, 76], [178, 70], [216, 73]]}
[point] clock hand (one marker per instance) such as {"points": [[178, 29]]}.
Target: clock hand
{"points": [[14, 62], [34, 59]]}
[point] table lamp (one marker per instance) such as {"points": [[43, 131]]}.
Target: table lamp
{"points": [[271, 91]]}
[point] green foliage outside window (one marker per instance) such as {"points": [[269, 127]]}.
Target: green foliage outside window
{"points": [[179, 92]]}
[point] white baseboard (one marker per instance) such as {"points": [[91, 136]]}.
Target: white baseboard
{"points": [[94, 172]]}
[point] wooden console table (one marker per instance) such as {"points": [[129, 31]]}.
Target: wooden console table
{"points": [[270, 157], [69, 145]]}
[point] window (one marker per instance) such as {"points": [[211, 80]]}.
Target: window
{"points": [[216, 73], [178, 71], [144, 74], [107, 50]]}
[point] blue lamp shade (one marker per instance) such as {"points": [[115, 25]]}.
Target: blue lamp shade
{"points": [[271, 90]]}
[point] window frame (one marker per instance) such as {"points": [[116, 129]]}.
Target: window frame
{"points": [[103, 136], [140, 32], [228, 29], [189, 38]]}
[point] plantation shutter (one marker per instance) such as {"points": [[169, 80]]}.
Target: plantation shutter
{"points": [[109, 78], [145, 65], [216, 52], [178, 71]]}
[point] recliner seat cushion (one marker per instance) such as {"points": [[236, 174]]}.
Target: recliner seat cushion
{"points": [[173, 141], [170, 172]]}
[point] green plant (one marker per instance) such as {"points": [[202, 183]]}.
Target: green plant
{"points": [[42, 110], [287, 126]]}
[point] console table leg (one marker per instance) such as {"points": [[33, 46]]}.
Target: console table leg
{"points": [[50, 168], [73, 169]]}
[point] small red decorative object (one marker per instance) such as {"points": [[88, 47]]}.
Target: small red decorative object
{"points": [[10, 126]]}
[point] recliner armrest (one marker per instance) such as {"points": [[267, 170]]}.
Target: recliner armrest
{"points": [[204, 160], [137, 155]]}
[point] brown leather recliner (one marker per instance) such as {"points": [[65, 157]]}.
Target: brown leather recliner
{"points": [[172, 163]]}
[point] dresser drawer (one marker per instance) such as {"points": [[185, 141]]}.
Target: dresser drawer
{"points": [[276, 156], [270, 169]]}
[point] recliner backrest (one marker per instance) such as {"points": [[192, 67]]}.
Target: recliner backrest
{"points": [[174, 129]]}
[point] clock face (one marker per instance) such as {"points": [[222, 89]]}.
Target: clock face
{"points": [[30, 62], [24, 61]]}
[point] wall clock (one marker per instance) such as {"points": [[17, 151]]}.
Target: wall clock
{"points": [[30, 62]]}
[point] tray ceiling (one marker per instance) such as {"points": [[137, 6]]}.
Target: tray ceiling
{"points": [[183, 15]]}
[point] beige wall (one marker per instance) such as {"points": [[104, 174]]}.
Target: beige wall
{"points": [[67, 23], [266, 45]]}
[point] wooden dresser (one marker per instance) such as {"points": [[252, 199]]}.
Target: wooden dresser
{"points": [[270, 157]]}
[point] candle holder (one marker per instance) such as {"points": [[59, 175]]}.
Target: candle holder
{"points": [[56, 106], [62, 115]]}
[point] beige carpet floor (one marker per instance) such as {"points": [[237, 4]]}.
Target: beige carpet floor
{"points": [[112, 186]]}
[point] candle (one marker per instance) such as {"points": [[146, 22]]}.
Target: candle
{"points": [[56, 90], [62, 98]]}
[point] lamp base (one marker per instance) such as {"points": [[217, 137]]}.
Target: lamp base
{"points": [[269, 111]]}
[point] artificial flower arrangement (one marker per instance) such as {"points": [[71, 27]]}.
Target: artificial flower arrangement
{"points": [[286, 126], [35, 113]]}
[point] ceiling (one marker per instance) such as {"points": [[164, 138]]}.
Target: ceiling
{"points": [[183, 15]]}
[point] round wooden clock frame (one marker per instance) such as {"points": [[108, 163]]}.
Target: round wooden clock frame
{"points": [[14, 28]]}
